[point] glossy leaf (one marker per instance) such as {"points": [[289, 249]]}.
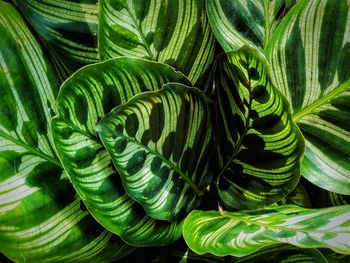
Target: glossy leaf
{"points": [[175, 32], [161, 143], [68, 27], [310, 63], [41, 218], [245, 232], [83, 100], [247, 22], [260, 147]]}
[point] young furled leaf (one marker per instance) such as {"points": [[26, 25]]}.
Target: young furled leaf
{"points": [[83, 100], [309, 56], [259, 146], [161, 143], [41, 217], [242, 233]]}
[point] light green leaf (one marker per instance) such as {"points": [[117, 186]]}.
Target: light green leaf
{"points": [[83, 100], [161, 143], [68, 27], [260, 147], [245, 22], [41, 218], [310, 63], [175, 32], [243, 233]]}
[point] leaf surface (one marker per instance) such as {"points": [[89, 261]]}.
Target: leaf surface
{"points": [[242, 233], [84, 99], [260, 147], [41, 217], [161, 143], [175, 32], [310, 63], [68, 27], [246, 22]]}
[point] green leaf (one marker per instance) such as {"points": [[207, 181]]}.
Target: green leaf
{"points": [[83, 100], [175, 32], [260, 147], [242, 233], [310, 63], [41, 218], [161, 143], [299, 196], [68, 27], [333, 257], [283, 254], [245, 22]]}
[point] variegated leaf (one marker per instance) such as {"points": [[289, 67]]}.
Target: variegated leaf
{"points": [[245, 232], [276, 253], [283, 254], [260, 147], [41, 218], [175, 32], [83, 100], [310, 63], [68, 27], [161, 144], [245, 22]]}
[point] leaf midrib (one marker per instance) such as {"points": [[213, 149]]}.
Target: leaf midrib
{"points": [[321, 101], [172, 166], [30, 149], [141, 33], [240, 140]]}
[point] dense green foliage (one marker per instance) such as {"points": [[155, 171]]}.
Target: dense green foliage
{"points": [[175, 131]]}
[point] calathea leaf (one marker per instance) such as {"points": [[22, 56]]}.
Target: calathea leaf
{"points": [[299, 196], [175, 32], [161, 144], [310, 64], [41, 218], [246, 22], [83, 100], [260, 147], [245, 232], [283, 254], [68, 27]]}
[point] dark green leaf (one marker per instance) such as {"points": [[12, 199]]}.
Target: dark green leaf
{"points": [[161, 143], [260, 147]]}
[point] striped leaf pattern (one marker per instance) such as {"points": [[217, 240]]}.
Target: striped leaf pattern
{"points": [[310, 63], [283, 254], [260, 147], [243, 233], [245, 22], [83, 100], [161, 143], [175, 32], [68, 27], [41, 218]]}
